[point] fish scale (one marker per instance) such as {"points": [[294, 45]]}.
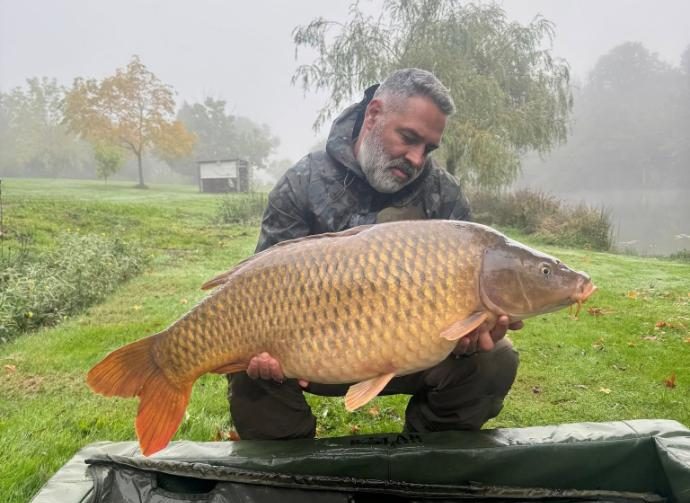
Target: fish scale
{"points": [[359, 306]]}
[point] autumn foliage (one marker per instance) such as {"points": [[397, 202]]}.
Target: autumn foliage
{"points": [[132, 109]]}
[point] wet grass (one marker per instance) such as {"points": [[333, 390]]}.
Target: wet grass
{"points": [[611, 363]]}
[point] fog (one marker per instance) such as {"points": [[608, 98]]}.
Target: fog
{"points": [[242, 53]]}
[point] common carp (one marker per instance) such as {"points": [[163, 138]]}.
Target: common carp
{"points": [[374, 302]]}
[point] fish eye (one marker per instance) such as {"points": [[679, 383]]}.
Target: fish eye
{"points": [[545, 270]]}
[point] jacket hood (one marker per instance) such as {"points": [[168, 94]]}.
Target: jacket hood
{"points": [[344, 133]]}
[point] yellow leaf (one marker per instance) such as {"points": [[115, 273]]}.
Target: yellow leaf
{"points": [[606, 391], [632, 294], [183, 301], [136, 307]]}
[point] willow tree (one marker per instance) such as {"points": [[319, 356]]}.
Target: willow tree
{"points": [[511, 94], [132, 109]]}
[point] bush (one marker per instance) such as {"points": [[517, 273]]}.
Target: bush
{"points": [[82, 270], [242, 208], [579, 226], [545, 217], [524, 209], [682, 255]]}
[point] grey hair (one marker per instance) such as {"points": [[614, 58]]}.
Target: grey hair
{"points": [[410, 82]]}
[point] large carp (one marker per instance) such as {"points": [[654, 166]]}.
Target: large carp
{"points": [[358, 306]]}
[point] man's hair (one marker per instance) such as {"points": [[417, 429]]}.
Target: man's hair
{"points": [[410, 82]]}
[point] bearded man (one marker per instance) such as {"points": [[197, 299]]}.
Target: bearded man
{"points": [[376, 168]]}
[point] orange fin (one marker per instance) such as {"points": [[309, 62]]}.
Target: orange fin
{"points": [[132, 371], [231, 368], [161, 409], [461, 328], [365, 391]]}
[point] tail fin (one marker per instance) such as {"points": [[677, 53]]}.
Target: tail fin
{"points": [[132, 371]]}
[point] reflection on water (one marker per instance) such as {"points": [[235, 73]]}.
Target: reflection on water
{"points": [[648, 222]]}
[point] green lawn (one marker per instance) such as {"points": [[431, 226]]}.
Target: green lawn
{"points": [[609, 364]]}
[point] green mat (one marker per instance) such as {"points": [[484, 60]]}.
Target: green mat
{"points": [[626, 461]]}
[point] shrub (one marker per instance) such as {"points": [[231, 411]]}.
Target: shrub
{"points": [[242, 208], [545, 217], [523, 209], [682, 255], [580, 226], [80, 271]]}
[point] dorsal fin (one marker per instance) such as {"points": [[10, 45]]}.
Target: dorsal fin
{"points": [[222, 278]]}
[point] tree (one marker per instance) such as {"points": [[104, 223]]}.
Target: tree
{"points": [[109, 159], [511, 94], [631, 128], [221, 136], [132, 109], [34, 140]]}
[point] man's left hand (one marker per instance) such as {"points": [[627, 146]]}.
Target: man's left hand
{"points": [[485, 338]]}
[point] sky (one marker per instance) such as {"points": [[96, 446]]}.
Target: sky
{"points": [[242, 51]]}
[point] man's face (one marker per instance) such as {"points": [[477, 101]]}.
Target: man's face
{"points": [[395, 143]]}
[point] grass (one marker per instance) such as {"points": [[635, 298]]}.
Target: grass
{"points": [[609, 364]]}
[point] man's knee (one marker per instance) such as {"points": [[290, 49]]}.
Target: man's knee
{"points": [[463, 393], [499, 368], [266, 410]]}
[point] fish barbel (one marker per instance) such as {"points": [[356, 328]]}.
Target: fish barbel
{"points": [[374, 302]]}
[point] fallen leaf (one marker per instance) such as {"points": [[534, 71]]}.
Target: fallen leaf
{"points": [[632, 294], [374, 411], [536, 389], [661, 324], [599, 311], [183, 301], [670, 381], [233, 436], [687, 340], [622, 369], [581, 386], [650, 338], [354, 429], [632, 344], [136, 307], [606, 391], [10, 369], [598, 344]]}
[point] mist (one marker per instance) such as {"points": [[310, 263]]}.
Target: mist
{"points": [[627, 148]]}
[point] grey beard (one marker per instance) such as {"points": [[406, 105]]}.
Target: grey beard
{"points": [[375, 163]]}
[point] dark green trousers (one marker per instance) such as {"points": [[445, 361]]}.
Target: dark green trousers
{"points": [[460, 393]]}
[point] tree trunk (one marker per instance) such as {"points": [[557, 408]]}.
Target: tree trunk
{"points": [[141, 185]]}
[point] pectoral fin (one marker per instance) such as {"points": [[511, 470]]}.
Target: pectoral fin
{"points": [[461, 328], [362, 392]]}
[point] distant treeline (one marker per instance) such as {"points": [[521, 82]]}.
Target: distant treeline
{"points": [[631, 128], [48, 130]]}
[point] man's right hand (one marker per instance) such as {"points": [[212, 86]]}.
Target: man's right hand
{"points": [[264, 366]]}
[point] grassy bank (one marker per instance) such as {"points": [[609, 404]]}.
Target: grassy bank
{"points": [[611, 363]]}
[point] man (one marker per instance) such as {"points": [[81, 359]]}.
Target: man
{"points": [[376, 168]]}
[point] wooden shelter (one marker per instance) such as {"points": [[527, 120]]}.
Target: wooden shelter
{"points": [[226, 175]]}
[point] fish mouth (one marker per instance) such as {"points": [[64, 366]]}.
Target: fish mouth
{"points": [[584, 292]]}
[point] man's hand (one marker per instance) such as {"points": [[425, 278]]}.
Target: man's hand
{"points": [[264, 366], [484, 338]]}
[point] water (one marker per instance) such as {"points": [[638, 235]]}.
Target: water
{"points": [[648, 222]]}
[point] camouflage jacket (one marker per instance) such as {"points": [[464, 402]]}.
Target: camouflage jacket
{"points": [[327, 191]]}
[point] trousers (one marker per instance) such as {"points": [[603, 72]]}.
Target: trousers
{"points": [[460, 393]]}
